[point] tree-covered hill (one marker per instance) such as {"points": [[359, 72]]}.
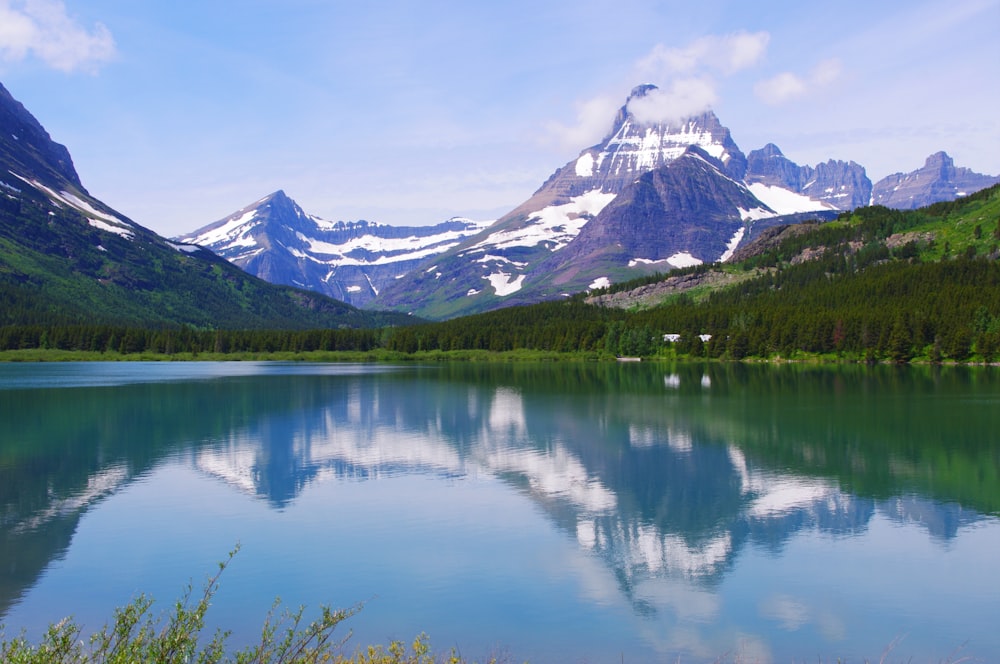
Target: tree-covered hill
{"points": [[67, 258], [874, 284]]}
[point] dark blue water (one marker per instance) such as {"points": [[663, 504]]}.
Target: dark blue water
{"points": [[555, 513]]}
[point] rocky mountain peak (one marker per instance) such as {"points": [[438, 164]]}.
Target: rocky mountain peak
{"points": [[769, 151], [837, 184], [937, 180], [940, 162]]}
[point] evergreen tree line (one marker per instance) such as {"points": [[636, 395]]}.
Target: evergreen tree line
{"points": [[894, 310], [855, 297], [118, 339]]}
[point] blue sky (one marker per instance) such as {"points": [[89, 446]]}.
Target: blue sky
{"points": [[400, 112]]}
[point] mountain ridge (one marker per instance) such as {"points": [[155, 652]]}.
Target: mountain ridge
{"points": [[937, 180], [352, 261], [67, 257]]}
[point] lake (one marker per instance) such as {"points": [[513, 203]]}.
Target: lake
{"points": [[633, 512]]}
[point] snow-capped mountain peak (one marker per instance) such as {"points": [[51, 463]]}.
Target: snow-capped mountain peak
{"points": [[352, 261]]}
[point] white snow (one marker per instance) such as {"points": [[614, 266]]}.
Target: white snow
{"points": [[471, 292], [503, 285], [755, 213], [557, 224], [111, 228], [354, 289], [733, 243], [489, 258], [637, 151], [784, 201], [600, 282], [229, 232], [390, 250], [680, 259], [80, 204], [585, 165], [96, 218], [684, 259], [185, 248]]}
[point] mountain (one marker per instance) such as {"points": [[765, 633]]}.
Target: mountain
{"points": [[66, 257], [511, 261], [352, 261], [938, 180], [837, 184], [684, 213]]}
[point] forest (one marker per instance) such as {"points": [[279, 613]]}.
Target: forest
{"points": [[878, 285]]}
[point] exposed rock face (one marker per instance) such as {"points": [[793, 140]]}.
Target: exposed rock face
{"points": [[842, 185], [350, 261], [938, 180], [27, 148], [686, 212]]}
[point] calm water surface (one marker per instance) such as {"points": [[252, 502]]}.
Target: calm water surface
{"points": [[555, 512]]}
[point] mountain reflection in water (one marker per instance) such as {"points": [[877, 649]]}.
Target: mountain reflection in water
{"points": [[661, 473]]}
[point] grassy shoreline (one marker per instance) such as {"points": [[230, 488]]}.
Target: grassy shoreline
{"points": [[387, 356]]}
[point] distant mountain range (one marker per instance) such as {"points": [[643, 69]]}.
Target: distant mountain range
{"points": [[68, 258], [938, 180], [649, 198], [350, 261]]}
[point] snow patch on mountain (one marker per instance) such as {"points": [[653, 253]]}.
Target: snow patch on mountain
{"points": [[555, 225], [641, 149], [678, 260], [684, 259], [600, 282], [733, 243], [785, 201], [233, 233], [101, 220], [503, 285], [111, 228]]}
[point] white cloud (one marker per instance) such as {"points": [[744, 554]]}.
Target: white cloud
{"points": [[787, 86], [827, 72], [780, 89], [593, 121], [41, 28], [725, 54], [684, 77], [685, 97]]}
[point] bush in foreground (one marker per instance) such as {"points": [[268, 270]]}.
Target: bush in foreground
{"points": [[136, 635]]}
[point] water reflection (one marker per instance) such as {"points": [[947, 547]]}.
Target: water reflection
{"points": [[660, 474]]}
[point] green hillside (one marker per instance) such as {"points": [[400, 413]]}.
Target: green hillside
{"points": [[57, 267], [876, 284], [66, 258]]}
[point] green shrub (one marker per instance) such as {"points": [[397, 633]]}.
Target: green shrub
{"points": [[136, 635]]}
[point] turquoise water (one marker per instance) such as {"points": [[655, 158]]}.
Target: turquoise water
{"points": [[553, 512]]}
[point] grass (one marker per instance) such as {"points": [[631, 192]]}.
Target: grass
{"points": [[378, 355]]}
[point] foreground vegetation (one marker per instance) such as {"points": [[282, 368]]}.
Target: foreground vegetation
{"points": [[876, 285], [137, 635]]}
